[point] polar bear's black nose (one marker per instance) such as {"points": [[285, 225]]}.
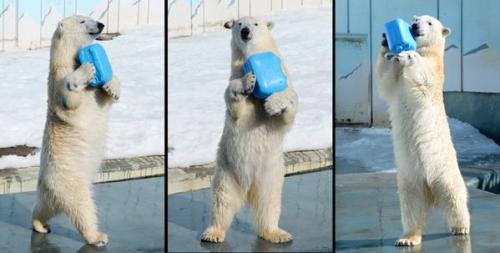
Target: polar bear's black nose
{"points": [[100, 26], [245, 32]]}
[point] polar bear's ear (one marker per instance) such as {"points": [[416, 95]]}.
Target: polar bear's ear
{"points": [[229, 24], [270, 25], [446, 31], [60, 27]]}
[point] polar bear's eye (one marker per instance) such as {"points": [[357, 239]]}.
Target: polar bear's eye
{"points": [[256, 24], [239, 23], [83, 21], [429, 23]]}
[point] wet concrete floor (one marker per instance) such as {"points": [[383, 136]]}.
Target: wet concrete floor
{"points": [[367, 219], [130, 212], [306, 213]]}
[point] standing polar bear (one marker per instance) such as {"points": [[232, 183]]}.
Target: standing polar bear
{"points": [[250, 164], [73, 140], [427, 169]]}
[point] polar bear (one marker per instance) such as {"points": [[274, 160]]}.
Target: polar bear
{"points": [[73, 140], [427, 169], [250, 164]]}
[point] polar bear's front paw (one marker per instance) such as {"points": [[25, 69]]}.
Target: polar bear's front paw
{"points": [[460, 230], [276, 104], [384, 41], [100, 240], [113, 88], [407, 58], [388, 56], [213, 234], [277, 236], [249, 83], [240, 88], [88, 72]]}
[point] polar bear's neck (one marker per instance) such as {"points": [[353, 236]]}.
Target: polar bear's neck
{"points": [[63, 55]]}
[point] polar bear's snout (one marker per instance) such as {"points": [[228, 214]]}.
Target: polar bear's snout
{"points": [[245, 34], [415, 29], [95, 28]]}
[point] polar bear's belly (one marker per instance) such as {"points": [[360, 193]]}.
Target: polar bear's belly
{"points": [[420, 137], [246, 151]]}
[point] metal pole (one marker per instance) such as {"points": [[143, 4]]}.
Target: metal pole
{"points": [[118, 23], [139, 10], [17, 23], [238, 8], [249, 7], [76, 7], [203, 15], [203, 10], [64, 8], [191, 15], [107, 19], [41, 21], [3, 25]]}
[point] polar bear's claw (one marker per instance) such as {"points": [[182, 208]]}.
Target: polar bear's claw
{"points": [[89, 72], [409, 240], [460, 231], [213, 234], [388, 56], [249, 83], [277, 236], [100, 241], [407, 57], [41, 228]]}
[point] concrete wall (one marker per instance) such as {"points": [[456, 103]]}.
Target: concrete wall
{"points": [[188, 17], [30, 23], [472, 58], [466, 105]]}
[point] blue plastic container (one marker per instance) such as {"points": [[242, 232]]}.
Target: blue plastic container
{"points": [[270, 76], [95, 55], [398, 35]]}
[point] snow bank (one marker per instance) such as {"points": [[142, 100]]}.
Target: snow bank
{"points": [[372, 147]]}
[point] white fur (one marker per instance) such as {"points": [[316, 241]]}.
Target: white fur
{"points": [[73, 141], [250, 165], [427, 169]]}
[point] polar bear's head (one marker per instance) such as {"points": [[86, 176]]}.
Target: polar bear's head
{"points": [[78, 30], [428, 31], [249, 32]]}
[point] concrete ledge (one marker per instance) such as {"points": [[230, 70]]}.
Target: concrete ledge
{"points": [[199, 176], [25, 179]]}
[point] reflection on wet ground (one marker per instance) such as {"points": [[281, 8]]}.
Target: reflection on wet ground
{"points": [[306, 213], [367, 219], [130, 212]]}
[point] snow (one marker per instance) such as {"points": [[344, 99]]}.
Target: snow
{"points": [[136, 125], [371, 148], [198, 74]]}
